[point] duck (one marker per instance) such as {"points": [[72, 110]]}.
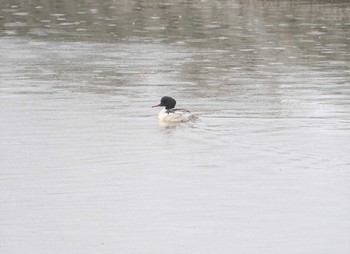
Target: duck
{"points": [[170, 114]]}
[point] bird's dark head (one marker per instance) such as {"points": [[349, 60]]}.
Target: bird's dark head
{"points": [[166, 102]]}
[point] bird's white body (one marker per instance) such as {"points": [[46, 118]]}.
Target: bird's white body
{"points": [[176, 116]]}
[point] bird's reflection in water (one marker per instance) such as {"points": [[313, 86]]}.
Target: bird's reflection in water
{"points": [[169, 127]]}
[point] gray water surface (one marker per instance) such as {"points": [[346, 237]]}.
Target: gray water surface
{"points": [[85, 167]]}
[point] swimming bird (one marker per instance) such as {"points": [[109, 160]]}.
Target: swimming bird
{"points": [[171, 114]]}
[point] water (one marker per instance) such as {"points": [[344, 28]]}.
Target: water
{"points": [[85, 166]]}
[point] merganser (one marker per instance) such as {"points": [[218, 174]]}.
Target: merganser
{"points": [[171, 115]]}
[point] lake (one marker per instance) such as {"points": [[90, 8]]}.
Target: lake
{"points": [[85, 166]]}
